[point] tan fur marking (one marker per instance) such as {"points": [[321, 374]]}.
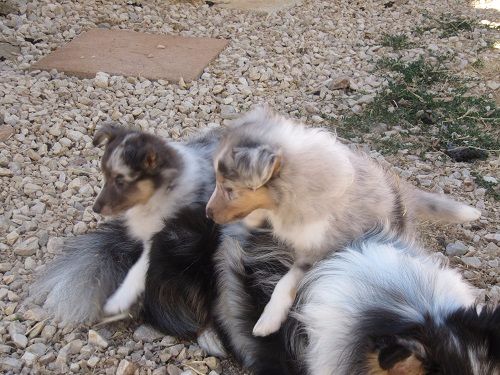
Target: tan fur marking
{"points": [[408, 366], [144, 189], [373, 365], [141, 193], [151, 159], [277, 166], [247, 201]]}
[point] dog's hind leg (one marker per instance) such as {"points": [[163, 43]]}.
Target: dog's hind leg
{"points": [[133, 285]]}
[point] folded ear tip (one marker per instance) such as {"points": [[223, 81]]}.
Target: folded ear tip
{"points": [[107, 131]]}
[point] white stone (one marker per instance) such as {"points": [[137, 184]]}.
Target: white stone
{"points": [[29, 358], [20, 340], [27, 248], [101, 79], [96, 339], [125, 368]]}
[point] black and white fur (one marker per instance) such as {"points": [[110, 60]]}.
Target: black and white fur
{"points": [[382, 306], [249, 264], [144, 221], [163, 246]]}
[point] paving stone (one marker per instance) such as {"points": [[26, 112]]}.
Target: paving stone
{"points": [[130, 53]]}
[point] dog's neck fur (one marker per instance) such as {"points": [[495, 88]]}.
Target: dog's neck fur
{"points": [[145, 220]]}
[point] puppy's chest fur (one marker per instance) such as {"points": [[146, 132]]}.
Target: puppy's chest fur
{"points": [[307, 239], [143, 222]]}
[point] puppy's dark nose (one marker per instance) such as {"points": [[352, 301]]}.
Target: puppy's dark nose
{"points": [[97, 207], [210, 213]]}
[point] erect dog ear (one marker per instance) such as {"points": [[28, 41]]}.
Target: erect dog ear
{"points": [[150, 159], [106, 133], [399, 358], [257, 165], [141, 154]]}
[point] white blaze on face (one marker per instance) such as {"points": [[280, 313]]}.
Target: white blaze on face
{"points": [[116, 164]]}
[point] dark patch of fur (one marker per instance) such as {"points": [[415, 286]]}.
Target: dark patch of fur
{"points": [[247, 142], [109, 132], [390, 334], [180, 280], [137, 150], [390, 355], [225, 171], [271, 355]]}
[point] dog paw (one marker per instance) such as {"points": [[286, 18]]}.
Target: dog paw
{"points": [[267, 324], [116, 304]]}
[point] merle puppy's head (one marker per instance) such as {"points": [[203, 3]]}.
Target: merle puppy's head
{"points": [[244, 171], [134, 165], [465, 343]]}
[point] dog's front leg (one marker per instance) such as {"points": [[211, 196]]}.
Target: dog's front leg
{"points": [[133, 285], [277, 309]]}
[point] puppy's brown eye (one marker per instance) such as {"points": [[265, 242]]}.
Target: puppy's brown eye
{"points": [[229, 193]]}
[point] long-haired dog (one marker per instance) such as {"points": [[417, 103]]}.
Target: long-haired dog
{"points": [[161, 242], [381, 306], [315, 192], [180, 281]]}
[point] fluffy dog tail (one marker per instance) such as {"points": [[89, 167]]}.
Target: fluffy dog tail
{"points": [[74, 287], [435, 207]]}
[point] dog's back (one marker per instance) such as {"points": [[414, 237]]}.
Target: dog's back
{"points": [[382, 306]]}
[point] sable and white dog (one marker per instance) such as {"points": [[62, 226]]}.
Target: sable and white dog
{"points": [[315, 192]]}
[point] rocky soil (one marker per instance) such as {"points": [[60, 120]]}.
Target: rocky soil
{"points": [[295, 60]]}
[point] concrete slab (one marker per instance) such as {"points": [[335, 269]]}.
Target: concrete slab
{"points": [[265, 6], [131, 53]]}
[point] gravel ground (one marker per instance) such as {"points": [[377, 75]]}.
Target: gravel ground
{"points": [[49, 172]]}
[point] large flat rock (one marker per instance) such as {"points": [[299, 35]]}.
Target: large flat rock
{"points": [[131, 53]]}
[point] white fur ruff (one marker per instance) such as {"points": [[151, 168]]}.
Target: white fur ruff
{"points": [[341, 288]]}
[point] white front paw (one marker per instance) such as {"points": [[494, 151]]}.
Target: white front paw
{"points": [[269, 322], [117, 304]]}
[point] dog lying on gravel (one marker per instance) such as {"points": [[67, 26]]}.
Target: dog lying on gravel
{"points": [[381, 305], [161, 242], [182, 290], [316, 194]]}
